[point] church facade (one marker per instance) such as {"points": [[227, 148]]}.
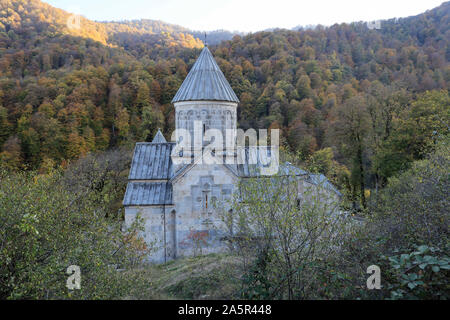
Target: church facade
{"points": [[176, 200]]}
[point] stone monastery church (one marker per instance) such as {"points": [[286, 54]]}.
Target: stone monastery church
{"points": [[175, 200]]}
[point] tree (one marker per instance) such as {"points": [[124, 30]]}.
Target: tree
{"points": [[122, 124], [304, 87], [280, 234], [321, 161], [76, 146], [414, 204], [47, 228], [152, 120], [84, 77], [142, 96], [301, 139], [11, 156], [114, 106], [351, 128], [385, 106], [5, 126], [414, 134]]}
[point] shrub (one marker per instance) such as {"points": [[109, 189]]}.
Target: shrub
{"points": [[45, 228], [420, 274]]}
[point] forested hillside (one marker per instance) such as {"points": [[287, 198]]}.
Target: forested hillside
{"points": [[368, 108], [359, 105]]}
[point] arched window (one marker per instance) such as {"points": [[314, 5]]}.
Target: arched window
{"points": [[206, 201]]}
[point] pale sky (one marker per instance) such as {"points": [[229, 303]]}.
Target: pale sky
{"points": [[246, 15]]}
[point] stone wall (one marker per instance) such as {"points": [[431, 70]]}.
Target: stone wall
{"points": [[157, 229], [192, 226], [200, 229], [212, 114]]}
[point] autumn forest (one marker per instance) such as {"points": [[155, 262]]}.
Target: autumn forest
{"points": [[362, 106], [369, 100]]}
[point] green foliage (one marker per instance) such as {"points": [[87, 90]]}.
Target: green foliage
{"points": [[414, 205], [420, 274], [210, 276], [321, 161], [406, 235], [195, 286], [370, 110], [415, 134], [48, 225], [412, 209], [256, 283], [280, 236], [152, 120], [65, 92]]}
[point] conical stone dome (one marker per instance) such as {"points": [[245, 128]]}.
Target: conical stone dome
{"points": [[205, 81]]}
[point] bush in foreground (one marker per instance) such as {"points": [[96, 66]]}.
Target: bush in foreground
{"points": [[47, 227]]}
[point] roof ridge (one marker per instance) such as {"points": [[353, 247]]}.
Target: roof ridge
{"points": [[159, 137], [169, 142], [205, 81]]}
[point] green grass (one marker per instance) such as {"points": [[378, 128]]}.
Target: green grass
{"points": [[203, 277]]}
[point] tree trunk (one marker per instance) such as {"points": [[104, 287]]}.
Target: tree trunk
{"points": [[361, 178]]}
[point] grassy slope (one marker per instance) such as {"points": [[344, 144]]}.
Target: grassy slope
{"points": [[203, 277]]}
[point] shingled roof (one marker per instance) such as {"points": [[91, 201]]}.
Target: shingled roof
{"points": [[152, 161], [205, 81], [151, 169], [148, 194], [151, 174]]}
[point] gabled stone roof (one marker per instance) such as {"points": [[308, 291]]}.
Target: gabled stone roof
{"points": [[159, 138], [205, 81]]}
